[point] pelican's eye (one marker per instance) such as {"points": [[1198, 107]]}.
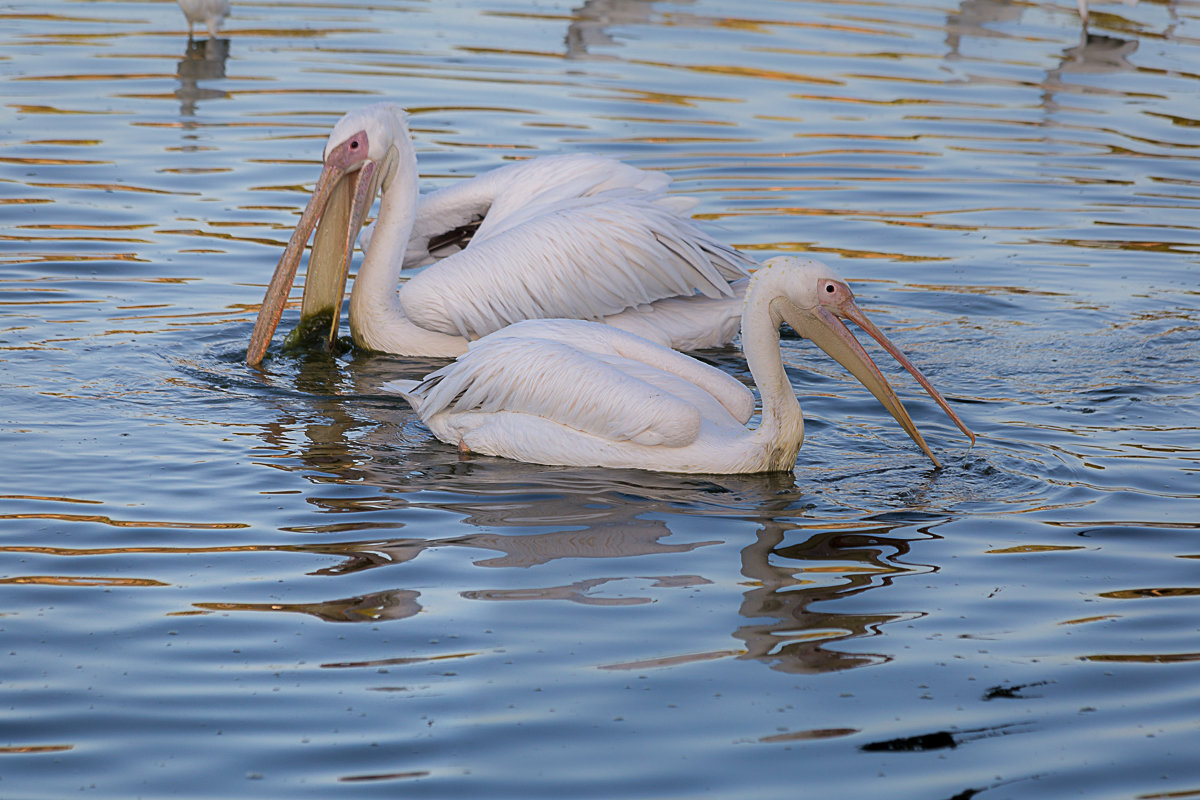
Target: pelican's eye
{"points": [[833, 293]]}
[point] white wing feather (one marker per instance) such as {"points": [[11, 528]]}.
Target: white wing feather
{"points": [[508, 189], [582, 258], [511, 375], [585, 376], [730, 394]]}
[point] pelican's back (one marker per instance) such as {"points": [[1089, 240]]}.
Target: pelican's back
{"points": [[515, 387]]}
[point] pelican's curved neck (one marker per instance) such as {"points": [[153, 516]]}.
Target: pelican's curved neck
{"points": [[781, 430], [377, 320]]}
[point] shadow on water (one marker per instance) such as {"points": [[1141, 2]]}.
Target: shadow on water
{"points": [[203, 60]]}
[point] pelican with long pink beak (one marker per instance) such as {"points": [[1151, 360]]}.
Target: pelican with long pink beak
{"points": [[577, 393]]}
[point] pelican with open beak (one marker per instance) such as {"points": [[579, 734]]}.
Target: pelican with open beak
{"points": [[345, 190], [572, 235]]}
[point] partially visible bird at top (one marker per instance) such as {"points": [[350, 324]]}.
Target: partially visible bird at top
{"points": [[210, 12], [575, 236]]}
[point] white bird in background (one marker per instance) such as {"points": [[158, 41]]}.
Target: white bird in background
{"points": [[573, 236], [578, 393], [210, 12]]}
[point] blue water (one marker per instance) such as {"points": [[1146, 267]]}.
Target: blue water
{"points": [[184, 541]]}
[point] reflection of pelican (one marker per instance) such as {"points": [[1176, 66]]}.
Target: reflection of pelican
{"points": [[211, 12], [1083, 10], [202, 61], [578, 393], [782, 626], [566, 236]]}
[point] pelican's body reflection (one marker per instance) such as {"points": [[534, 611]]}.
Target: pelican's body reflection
{"points": [[203, 60], [794, 638], [332, 424]]}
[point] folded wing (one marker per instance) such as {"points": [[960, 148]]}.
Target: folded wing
{"points": [[582, 258], [585, 376]]}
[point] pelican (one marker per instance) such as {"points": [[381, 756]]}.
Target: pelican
{"points": [[578, 393], [575, 236], [211, 12]]}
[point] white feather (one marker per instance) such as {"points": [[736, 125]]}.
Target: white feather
{"points": [[613, 251], [589, 377]]}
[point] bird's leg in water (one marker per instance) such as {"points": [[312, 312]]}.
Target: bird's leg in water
{"points": [[464, 452]]}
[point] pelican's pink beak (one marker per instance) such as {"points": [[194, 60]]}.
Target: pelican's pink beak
{"points": [[340, 200], [823, 325]]}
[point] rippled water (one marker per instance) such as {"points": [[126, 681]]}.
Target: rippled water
{"points": [[185, 541]]}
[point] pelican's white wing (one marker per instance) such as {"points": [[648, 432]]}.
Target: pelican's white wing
{"points": [[729, 393], [582, 258], [508, 189], [587, 377]]}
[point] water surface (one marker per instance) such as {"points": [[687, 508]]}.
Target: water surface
{"points": [[223, 582]]}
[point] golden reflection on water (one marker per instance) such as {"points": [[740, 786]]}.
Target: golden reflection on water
{"points": [[1141, 594], [375, 607], [815, 733], [35, 748], [1143, 658], [126, 523], [1035, 548], [1088, 620], [81, 580]]}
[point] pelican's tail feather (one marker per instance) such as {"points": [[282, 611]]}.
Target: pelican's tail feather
{"points": [[403, 387]]}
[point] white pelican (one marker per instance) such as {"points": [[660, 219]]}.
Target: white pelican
{"points": [[1083, 10], [211, 12], [577, 393], [563, 236]]}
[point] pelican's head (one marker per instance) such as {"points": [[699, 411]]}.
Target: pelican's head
{"points": [[812, 298], [366, 135], [361, 156]]}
